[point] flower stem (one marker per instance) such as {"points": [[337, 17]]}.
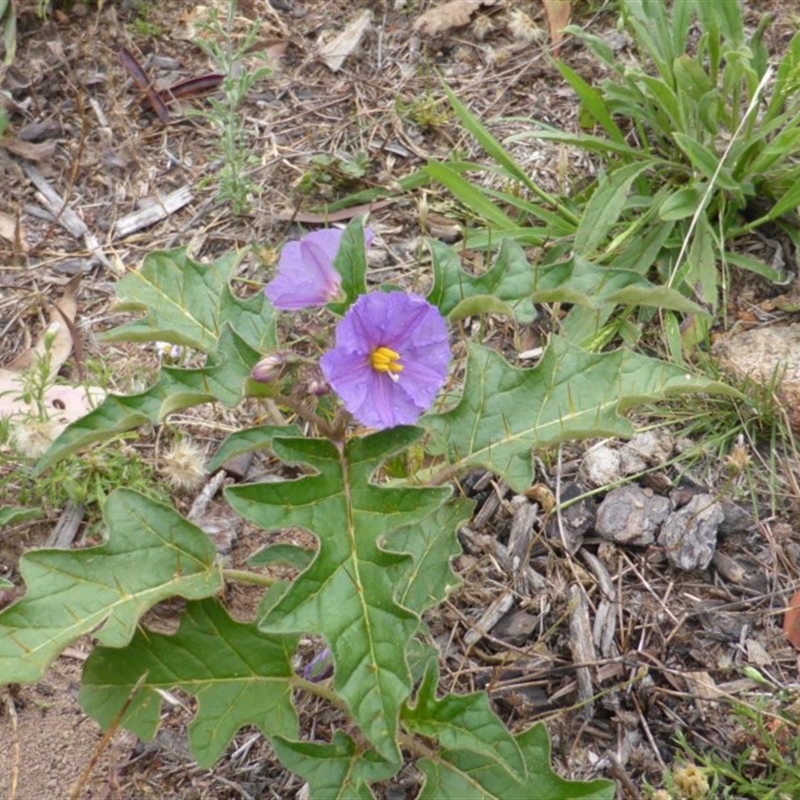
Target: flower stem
{"points": [[245, 576]]}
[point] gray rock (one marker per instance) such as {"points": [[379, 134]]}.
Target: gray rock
{"points": [[689, 536], [646, 449], [631, 515], [601, 465]]}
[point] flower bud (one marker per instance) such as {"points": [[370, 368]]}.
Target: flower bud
{"points": [[268, 368], [321, 667], [318, 387], [50, 334]]}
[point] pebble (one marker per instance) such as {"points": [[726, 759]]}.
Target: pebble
{"points": [[689, 535], [631, 515]]}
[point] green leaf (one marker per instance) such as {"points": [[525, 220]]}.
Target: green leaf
{"points": [[788, 202], [592, 100], [505, 412], [480, 304], [755, 266], [152, 553], [463, 723], [509, 279], [226, 378], [351, 264], [9, 21], [249, 440], [285, 554], [10, 515], [595, 291], [190, 304], [497, 153], [336, 771], [468, 775], [690, 77], [605, 206], [246, 682], [346, 594], [683, 203], [432, 543], [706, 162]]}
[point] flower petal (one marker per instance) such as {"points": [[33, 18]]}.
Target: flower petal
{"points": [[410, 326], [305, 275]]}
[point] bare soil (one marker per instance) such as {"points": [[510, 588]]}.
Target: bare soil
{"points": [[667, 654]]}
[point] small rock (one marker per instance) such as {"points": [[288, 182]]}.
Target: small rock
{"points": [[631, 515], [763, 353], [689, 536], [601, 465], [736, 519], [515, 627], [646, 449]]}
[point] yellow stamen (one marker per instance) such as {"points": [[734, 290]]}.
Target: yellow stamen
{"points": [[382, 359]]}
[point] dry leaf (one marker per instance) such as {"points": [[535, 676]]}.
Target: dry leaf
{"points": [[62, 312], [791, 620], [454, 14], [64, 404], [31, 151], [557, 12], [334, 52], [12, 230]]}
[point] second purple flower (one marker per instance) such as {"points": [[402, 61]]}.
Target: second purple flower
{"points": [[390, 358], [305, 275]]}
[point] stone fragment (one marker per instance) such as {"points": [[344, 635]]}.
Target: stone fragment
{"points": [[736, 519], [631, 515], [601, 465], [646, 449], [764, 354], [515, 627], [689, 535]]}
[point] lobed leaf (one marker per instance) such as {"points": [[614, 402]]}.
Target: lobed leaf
{"points": [[470, 775], [464, 724], [509, 279], [432, 543], [190, 304], [505, 412], [226, 378], [336, 771], [347, 594], [152, 553], [239, 675]]}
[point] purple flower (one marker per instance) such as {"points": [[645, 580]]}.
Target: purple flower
{"points": [[390, 358], [306, 276], [321, 667]]}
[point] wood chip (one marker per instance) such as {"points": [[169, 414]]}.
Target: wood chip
{"points": [[69, 523], [334, 52], [582, 647], [496, 611], [148, 216], [519, 546], [702, 686], [66, 217]]}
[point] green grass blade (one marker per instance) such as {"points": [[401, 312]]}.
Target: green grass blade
{"points": [[469, 195], [592, 101]]}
